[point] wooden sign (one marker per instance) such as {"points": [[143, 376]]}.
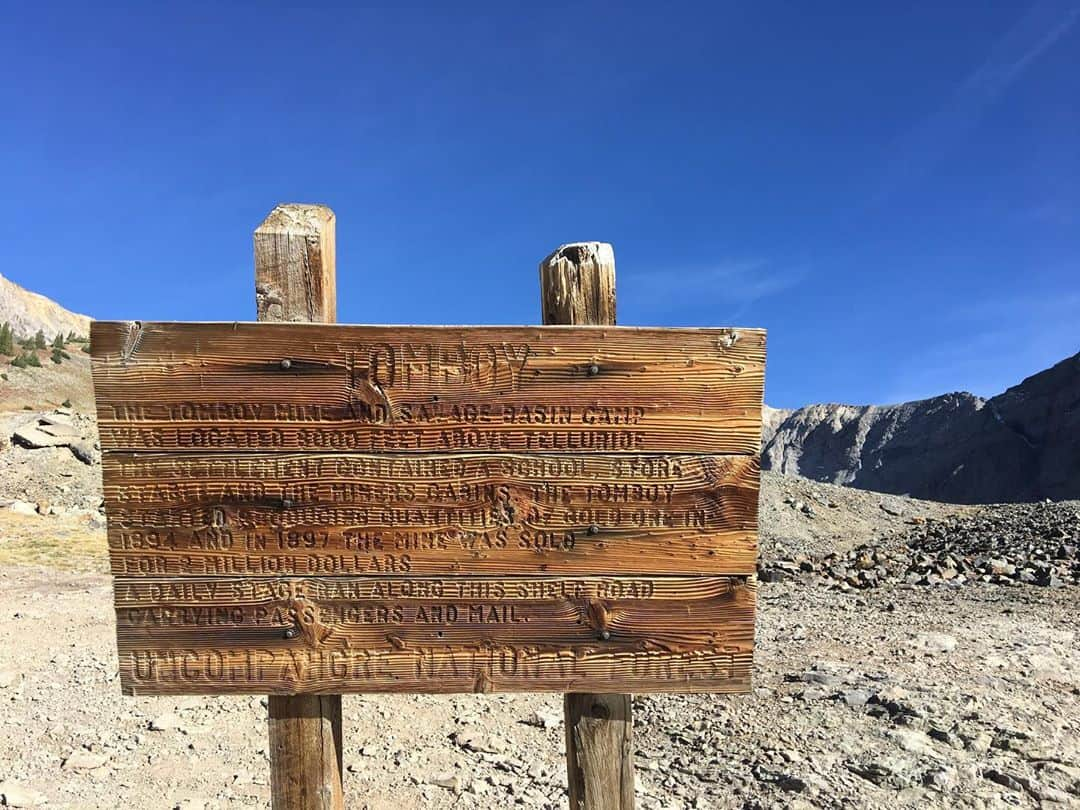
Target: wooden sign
{"points": [[311, 508]]}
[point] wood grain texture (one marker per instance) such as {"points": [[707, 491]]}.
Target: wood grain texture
{"points": [[305, 749], [295, 280], [202, 514], [599, 751], [433, 634], [577, 285], [195, 387], [295, 265]]}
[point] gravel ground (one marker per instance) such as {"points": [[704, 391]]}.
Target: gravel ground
{"points": [[898, 696], [963, 694]]}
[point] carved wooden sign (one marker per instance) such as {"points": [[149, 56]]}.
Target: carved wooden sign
{"points": [[310, 508]]}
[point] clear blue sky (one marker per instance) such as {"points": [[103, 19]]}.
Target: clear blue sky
{"points": [[893, 190]]}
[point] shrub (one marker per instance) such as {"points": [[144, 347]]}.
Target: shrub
{"points": [[58, 341], [19, 362], [57, 356], [66, 403], [39, 340], [33, 360], [7, 344]]}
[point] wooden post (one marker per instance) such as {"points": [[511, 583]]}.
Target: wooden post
{"points": [[295, 281], [577, 286]]}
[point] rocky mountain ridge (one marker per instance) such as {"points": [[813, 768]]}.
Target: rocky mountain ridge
{"points": [[27, 312], [1021, 445]]}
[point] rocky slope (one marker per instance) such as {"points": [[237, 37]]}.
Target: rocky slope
{"points": [[941, 693], [28, 312], [1021, 445]]}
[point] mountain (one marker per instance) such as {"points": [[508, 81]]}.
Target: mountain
{"points": [[28, 312], [1021, 445]]}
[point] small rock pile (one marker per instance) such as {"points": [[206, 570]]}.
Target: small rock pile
{"points": [[1031, 544], [61, 428]]}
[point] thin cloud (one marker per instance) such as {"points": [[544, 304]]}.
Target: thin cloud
{"points": [[735, 285], [1014, 338], [924, 147]]}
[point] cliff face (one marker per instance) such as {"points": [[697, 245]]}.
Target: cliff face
{"points": [[1021, 445], [28, 312]]}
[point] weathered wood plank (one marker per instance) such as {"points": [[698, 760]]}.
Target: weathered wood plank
{"points": [[198, 387], [600, 751], [295, 265], [577, 285], [295, 280], [305, 752], [434, 635], [204, 514]]}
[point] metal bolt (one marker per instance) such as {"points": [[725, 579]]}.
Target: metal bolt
{"points": [[286, 364], [286, 503], [605, 635], [594, 529], [594, 370], [290, 633]]}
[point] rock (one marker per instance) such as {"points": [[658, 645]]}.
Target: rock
{"points": [[1001, 567], [940, 778], [543, 719], [16, 795], [857, 698], [1052, 794], [935, 643], [819, 678], [58, 430], [892, 694], [165, 722], [474, 740], [30, 436], [875, 772], [772, 575], [941, 735], [85, 761], [911, 740], [194, 802], [23, 508], [979, 743], [83, 450], [450, 781], [791, 784], [1003, 779]]}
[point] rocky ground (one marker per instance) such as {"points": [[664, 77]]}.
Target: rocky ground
{"points": [[930, 691], [41, 389]]}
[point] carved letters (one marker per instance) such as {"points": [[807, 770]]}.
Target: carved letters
{"points": [[303, 508]]}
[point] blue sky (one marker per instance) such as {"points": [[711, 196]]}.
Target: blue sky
{"points": [[893, 190]]}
